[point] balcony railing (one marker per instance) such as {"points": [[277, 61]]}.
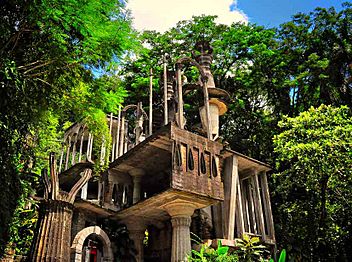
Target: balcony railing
{"points": [[125, 133]]}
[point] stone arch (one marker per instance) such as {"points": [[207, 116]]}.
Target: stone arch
{"points": [[77, 244]]}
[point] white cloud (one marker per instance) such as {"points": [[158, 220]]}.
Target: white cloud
{"points": [[160, 15]]}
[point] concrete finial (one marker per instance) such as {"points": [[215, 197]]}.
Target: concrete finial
{"points": [[203, 54]]}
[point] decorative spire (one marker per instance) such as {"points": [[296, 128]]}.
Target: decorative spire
{"points": [[205, 56]]}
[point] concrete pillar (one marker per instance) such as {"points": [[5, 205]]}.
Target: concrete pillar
{"points": [[137, 234], [231, 180], [137, 174], [181, 241], [218, 221], [136, 189], [180, 212], [53, 239]]}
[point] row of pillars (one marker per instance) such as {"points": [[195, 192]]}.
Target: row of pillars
{"points": [[180, 212]]}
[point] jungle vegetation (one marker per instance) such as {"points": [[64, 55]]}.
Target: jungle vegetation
{"points": [[291, 98], [48, 50]]}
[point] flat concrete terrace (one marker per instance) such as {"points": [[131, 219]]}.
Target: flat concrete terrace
{"points": [[153, 154], [173, 158], [153, 208]]}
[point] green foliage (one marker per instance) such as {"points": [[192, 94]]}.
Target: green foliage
{"points": [[89, 103], [268, 72], [247, 249], [317, 48], [250, 248], [48, 50], [23, 223], [313, 188], [207, 253], [282, 257], [244, 60]]}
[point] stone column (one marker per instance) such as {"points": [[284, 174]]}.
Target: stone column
{"points": [[180, 212], [136, 189], [181, 241], [137, 174], [231, 181], [52, 243], [137, 229], [53, 236]]}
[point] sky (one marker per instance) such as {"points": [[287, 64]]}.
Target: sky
{"points": [[160, 15]]}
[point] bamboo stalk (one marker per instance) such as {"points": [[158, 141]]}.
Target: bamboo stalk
{"points": [[151, 102], [258, 205], [88, 146], [166, 113], [68, 152], [91, 147], [110, 130], [73, 154], [61, 159], [80, 147], [138, 128], [180, 97], [207, 110], [126, 138], [118, 133], [113, 149], [122, 134]]}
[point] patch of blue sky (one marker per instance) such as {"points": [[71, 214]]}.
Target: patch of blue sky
{"points": [[272, 13]]}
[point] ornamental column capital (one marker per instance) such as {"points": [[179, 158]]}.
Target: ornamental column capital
{"points": [[181, 221]]}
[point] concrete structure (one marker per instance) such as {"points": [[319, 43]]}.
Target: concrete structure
{"points": [[179, 179]]}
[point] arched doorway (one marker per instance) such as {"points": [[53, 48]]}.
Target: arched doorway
{"points": [[93, 249], [91, 244]]}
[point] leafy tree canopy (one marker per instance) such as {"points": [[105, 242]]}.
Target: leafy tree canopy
{"points": [[312, 191], [47, 51], [317, 49]]}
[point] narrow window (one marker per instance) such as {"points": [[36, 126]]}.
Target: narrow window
{"points": [[203, 168], [190, 160], [178, 155], [214, 167]]}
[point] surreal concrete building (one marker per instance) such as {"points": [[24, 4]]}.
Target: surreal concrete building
{"points": [[164, 177]]}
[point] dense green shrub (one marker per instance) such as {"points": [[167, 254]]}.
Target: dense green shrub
{"points": [[312, 191]]}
